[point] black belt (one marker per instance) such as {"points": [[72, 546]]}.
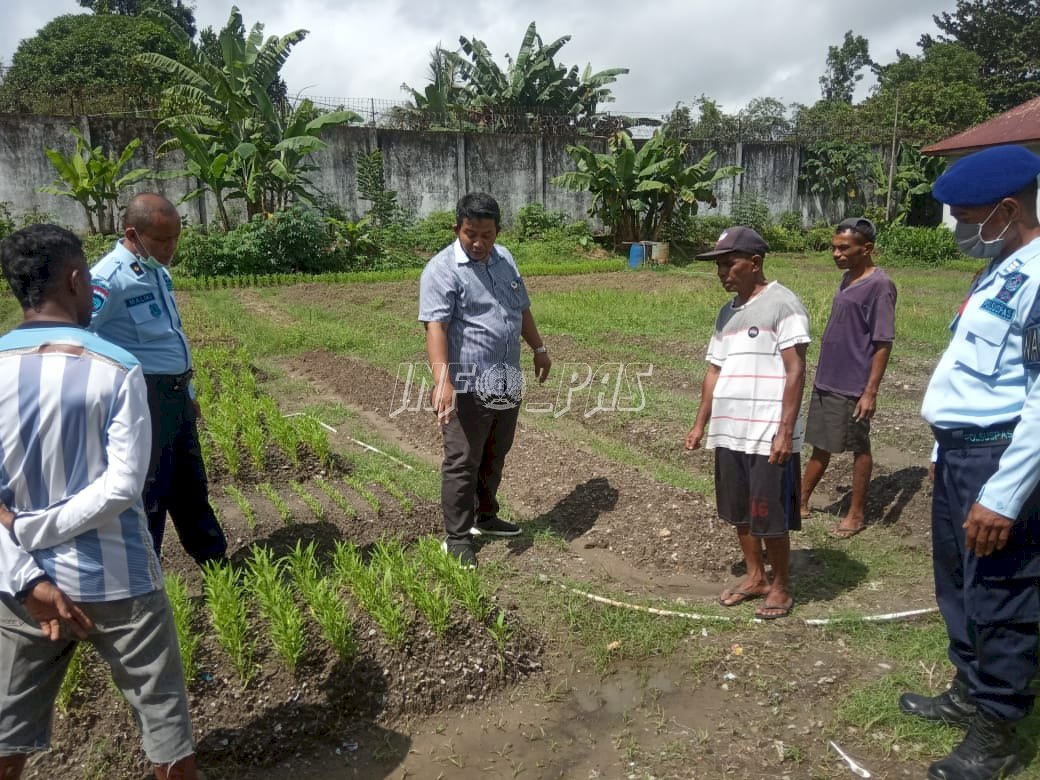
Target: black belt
{"points": [[174, 383], [961, 438]]}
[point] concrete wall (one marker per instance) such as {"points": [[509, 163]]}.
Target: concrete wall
{"points": [[429, 171]]}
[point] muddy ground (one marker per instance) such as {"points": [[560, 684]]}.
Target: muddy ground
{"points": [[751, 704]]}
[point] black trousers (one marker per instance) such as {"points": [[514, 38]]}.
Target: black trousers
{"points": [[991, 604], [476, 442], [176, 482]]}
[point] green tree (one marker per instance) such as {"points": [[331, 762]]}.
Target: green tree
{"points": [[94, 179], [1005, 34], [639, 193], [937, 94], [85, 63], [842, 175], [844, 64], [764, 119], [532, 82], [235, 138], [181, 12]]}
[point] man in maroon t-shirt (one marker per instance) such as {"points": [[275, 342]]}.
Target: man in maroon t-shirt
{"points": [[854, 353]]}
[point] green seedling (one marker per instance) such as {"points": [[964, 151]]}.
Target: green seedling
{"points": [[307, 498], [226, 600], [188, 640], [336, 497], [278, 607], [243, 504], [272, 495]]}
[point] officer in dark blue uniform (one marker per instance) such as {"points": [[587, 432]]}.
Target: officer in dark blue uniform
{"points": [[134, 307], [983, 403]]}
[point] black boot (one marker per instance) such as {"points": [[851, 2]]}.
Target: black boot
{"points": [[987, 752], [954, 706]]}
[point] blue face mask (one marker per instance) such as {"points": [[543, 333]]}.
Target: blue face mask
{"points": [[970, 241]]}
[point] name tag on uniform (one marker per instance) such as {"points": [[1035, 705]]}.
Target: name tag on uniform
{"points": [[1031, 346], [998, 308], [137, 300]]}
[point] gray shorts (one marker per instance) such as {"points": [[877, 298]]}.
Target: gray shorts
{"points": [[830, 426], [136, 638]]}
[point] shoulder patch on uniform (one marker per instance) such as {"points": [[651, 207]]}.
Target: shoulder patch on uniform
{"points": [[100, 291], [1011, 285], [136, 268], [1031, 346], [998, 308]]}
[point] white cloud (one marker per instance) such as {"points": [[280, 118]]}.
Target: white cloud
{"points": [[676, 50]]}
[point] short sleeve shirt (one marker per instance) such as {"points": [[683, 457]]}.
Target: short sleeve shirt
{"points": [[746, 346], [483, 304], [862, 316], [134, 308]]}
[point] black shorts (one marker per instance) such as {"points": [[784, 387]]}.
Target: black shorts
{"points": [[830, 425], [749, 490]]}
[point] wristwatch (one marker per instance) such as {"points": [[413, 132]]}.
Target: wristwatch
{"points": [[541, 350]]}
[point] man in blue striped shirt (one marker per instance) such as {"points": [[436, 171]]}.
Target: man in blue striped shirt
{"points": [[475, 308], [75, 553]]}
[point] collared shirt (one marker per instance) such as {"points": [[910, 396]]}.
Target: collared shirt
{"points": [[134, 308], [863, 315], [987, 375], [483, 304], [75, 440], [747, 404]]}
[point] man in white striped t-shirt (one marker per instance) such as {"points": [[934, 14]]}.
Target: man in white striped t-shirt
{"points": [[751, 396], [76, 557]]}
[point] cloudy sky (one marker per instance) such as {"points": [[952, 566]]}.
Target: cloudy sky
{"points": [[676, 50]]}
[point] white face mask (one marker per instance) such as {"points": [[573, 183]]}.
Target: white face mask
{"points": [[970, 241]]}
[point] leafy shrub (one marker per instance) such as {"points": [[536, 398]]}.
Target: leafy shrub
{"points": [[206, 254], [296, 239], [703, 231], [790, 220], [357, 243], [782, 239], [818, 238], [96, 246], [750, 210], [433, 232], [7, 225], [533, 221], [293, 241], [900, 245]]}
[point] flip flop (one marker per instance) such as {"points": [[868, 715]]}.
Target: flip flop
{"points": [[775, 611], [727, 596], [838, 532]]}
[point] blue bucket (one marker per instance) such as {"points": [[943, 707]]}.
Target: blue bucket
{"points": [[636, 255]]}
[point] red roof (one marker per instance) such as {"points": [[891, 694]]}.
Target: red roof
{"points": [[1020, 125]]}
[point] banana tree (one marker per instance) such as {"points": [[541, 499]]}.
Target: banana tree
{"points": [[246, 146], [638, 193], [533, 82], [92, 178]]}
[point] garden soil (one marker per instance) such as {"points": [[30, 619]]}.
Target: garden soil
{"points": [[754, 706]]}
